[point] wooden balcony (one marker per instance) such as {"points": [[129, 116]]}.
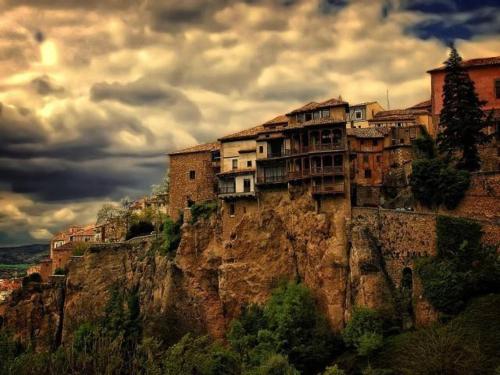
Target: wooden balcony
{"points": [[268, 180], [325, 189], [319, 147], [329, 171], [297, 175]]}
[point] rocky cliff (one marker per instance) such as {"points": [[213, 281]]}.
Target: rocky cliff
{"points": [[344, 261]]}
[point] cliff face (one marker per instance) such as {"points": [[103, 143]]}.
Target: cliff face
{"points": [[204, 287]]}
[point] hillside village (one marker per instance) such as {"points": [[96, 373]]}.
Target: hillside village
{"points": [[359, 153], [356, 205]]}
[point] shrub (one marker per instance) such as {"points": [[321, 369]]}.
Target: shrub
{"points": [[80, 248], [436, 183], [171, 235], [457, 237], [333, 370], [60, 271], [289, 324], [364, 321], [141, 228], [33, 278], [463, 268], [275, 364], [202, 210]]}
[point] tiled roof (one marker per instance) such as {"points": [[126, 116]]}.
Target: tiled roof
{"points": [[361, 104], [206, 147], [244, 134], [398, 114], [66, 247], [483, 61], [313, 105], [281, 119], [318, 121], [426, 104], [365, 133]]}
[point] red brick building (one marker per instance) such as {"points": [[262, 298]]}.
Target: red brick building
{"points": [[485, 73], [193, 176]]}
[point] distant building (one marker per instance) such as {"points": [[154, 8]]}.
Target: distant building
{"points": [[360, 114], [418, 114], [193, 176]]}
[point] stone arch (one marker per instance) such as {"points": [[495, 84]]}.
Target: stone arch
{"points": [[406, 290]]}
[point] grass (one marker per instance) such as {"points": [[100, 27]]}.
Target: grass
{"points": [[14, 267]]}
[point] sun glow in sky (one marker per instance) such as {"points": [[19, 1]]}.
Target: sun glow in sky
{"points": [[94, 93]]}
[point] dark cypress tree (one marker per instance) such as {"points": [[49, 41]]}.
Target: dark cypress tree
{"points": [[462, 119]]}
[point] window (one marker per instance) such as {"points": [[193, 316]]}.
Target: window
{"points": [[358, 114], [379, 158], [192, 175], [497, 88], [361, 142], [325, 113], [368, 173], [235, 163], [317, 115], [246, 185], [261, 149], [249, 163], [375, 142], [400, 124], [402, 141], [308, 116], [301, 117], [365, 158], [232, 209]]}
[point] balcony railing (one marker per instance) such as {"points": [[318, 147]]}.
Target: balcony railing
{"points": [[330, 170], [295, 175], [227, 189], [315, 147], [271, 179], [275, 154], [326, 146], [337, 188]]}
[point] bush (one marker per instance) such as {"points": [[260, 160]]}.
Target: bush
{"points": [[141, 228], [80, 248], [457, 237], [33, 278], [202, 210], [60, 271], [171, 235], [436, 183], [289, 324], [275, 364], [463, 268], [364, 322], [333, 370]]}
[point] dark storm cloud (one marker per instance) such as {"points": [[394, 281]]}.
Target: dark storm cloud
{"points": [[19, 126], [148, 92], [75, 4], [453, 19], [91, 135], [44, 85], [55, 180], [292, 91]]}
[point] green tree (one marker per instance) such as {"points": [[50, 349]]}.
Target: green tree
{"points": [[462, 120]]}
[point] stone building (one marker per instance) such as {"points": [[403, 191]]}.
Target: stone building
{"points": [[418, 114], [193, 176], [237, 183], [360, 114], [485, 73]]}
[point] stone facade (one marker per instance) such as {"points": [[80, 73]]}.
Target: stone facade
{"points": [[193, 176]]}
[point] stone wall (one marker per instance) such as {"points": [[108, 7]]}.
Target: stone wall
{"points": [[398, 238], [183, 187]]}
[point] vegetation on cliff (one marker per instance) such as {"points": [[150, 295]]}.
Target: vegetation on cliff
{"points": [[434, 180], [463, 267]]}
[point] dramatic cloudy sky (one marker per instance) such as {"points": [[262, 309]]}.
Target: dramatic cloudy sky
{"points": [[94, 93]]}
